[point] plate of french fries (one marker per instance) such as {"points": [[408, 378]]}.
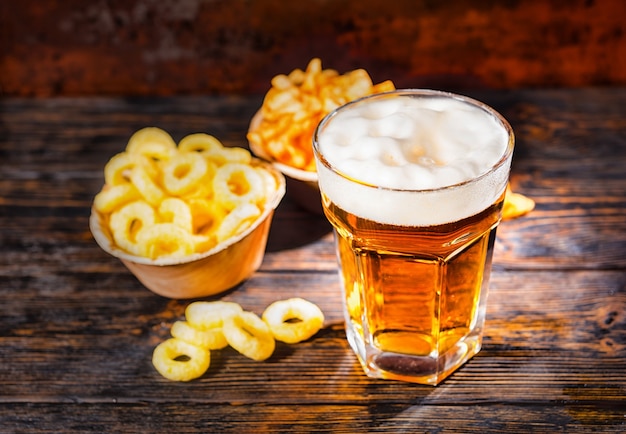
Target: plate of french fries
{"points": [[282, 130]]}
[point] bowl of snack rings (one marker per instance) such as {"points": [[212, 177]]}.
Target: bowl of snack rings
{"points": [[281, 132], [189, 219]]}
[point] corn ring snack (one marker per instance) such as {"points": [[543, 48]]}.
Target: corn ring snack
{"points": [[203, 189], [147, 137], [249, 335], [210, 339], [516, 205], [199, 142], [148, 188], [113, 197], [206, 215], [128, 221], [178, 360], [280, 317], [164, 240], [183, 171], [118, 168], [229, 155], [269, 182], [235, 184], [203, 243], [154, 150], [205, 315], [176, 211], [237, 221]]}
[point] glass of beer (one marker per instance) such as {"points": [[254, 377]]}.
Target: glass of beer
{"points": [[413, 183]]}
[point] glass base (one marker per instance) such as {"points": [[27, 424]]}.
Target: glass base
{"points": [[429, 370]]}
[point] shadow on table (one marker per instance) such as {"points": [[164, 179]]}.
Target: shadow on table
{"points": [[294, 226]]}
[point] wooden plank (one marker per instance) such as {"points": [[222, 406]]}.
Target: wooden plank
{"points": [[408, 416]]}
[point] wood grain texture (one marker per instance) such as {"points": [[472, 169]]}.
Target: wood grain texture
{"points": [[77, 330], [143, 47]]}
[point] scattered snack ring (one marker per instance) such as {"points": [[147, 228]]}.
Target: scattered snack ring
{"points": [[210, 339], [249, 335], [293, 320], [516, 205], [206, 315], [178, 360]]}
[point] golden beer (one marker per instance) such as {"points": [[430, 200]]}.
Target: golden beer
{"points": [[417, 304], [415, 294]]}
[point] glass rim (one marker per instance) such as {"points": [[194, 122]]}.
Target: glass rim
{"points": [[414, 92]]}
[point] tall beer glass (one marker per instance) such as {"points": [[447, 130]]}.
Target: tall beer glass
{"points": [[413, 183]]}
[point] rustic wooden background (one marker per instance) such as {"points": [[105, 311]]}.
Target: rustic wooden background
{"points": [[77, 330], [177, 47]]}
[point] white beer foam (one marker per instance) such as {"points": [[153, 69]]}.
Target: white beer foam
{"points": [[412, 158]]}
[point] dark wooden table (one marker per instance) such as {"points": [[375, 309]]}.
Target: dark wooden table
{"points": [[77, 330]]}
